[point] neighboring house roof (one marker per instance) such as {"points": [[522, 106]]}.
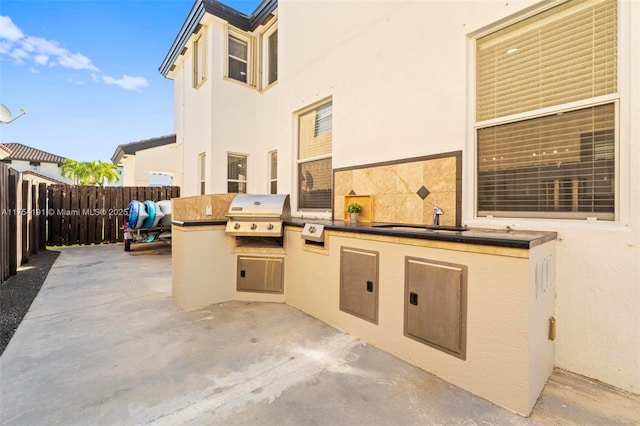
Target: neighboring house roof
{"points": [[232, 16], [133, 147], [42, 177], [18, 151]]}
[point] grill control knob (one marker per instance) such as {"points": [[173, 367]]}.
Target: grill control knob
{"points": [[270, 226], [312, 229], [254, 226], [236, 226]]}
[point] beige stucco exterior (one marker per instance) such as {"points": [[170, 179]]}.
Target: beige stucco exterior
{"points": [[508, 354], [400, 75], [165, 159]]}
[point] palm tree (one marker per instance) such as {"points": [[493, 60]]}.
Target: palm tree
{"points": [[89, 172], [74, 170], [100, 171]]}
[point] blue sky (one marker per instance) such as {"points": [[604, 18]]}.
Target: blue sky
{"points": [[86, 72]]}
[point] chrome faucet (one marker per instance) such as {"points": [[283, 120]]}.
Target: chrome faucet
{"points": [[437, 211]]}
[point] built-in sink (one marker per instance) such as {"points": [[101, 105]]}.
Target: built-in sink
{"points": [[417, 228]]}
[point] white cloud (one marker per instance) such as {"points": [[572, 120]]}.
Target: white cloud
{"points": [[41, 52], [15, 44], [76, 82], [41, 59], [19, 55], [127, 82], [8, 30]]}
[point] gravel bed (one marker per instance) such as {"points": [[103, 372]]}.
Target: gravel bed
{"points": [[17, 293]]}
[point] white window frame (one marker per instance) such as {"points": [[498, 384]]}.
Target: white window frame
{"points": [[202, 173], [296, 190], [471, 184], [199, 58], [270, 172], [239, 181], [266, 59], [250, 52]]}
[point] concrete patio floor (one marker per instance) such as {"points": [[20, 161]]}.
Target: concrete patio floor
{"points": [[104, 344]]}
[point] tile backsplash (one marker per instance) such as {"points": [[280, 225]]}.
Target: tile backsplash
{"points": [[404, 191]]}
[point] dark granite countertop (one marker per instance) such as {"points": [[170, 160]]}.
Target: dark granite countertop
{"points": [[480, 236], [492, 237]]}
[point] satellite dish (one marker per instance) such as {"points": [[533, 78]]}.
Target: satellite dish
{"points": [[5, 114]]}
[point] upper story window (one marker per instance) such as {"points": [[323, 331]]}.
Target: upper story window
{"points": [[34, 166], [315, 135], [236, 173], [270, 55], [238, 60], [546, 120], [200, 59], [273, 172]]}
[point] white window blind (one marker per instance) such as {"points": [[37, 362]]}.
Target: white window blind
{"points": [[560, 164], [564, 54]]}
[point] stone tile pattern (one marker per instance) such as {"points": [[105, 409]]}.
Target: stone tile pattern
{"points": [[395, 190], [194, 208]]}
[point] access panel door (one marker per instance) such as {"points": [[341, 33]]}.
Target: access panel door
{"points": [[359, 283], [260, 274], [435, 304]]}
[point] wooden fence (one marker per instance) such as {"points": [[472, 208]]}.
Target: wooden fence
{"points": [[22, 220], [34, 215], [92, 214]]}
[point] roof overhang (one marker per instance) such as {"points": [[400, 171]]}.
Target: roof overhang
{"points": [[222, 11], [133, 147]]}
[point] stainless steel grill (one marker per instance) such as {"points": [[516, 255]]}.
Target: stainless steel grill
{"points": [[253, 215]]}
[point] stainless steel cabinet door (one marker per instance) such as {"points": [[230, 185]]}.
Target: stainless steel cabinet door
{"points": [[359, 283], [435, 304], [260, 274]]}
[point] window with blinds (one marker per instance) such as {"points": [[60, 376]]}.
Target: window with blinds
{"points": [[558, 162], [314, 158]]}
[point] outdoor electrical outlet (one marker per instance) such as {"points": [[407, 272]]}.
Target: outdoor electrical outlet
{"points": [[208, 211]]}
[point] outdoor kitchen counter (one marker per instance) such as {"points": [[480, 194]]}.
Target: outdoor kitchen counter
{"points": [[521, 239]]}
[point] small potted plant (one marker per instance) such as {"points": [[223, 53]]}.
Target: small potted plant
{"points": [[354, 208]]}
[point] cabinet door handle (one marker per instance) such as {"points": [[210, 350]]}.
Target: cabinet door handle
{"points": [[370, 286], [413, 298]]}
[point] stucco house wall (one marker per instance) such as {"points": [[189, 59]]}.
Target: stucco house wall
{"points": [[400, 75], [139, 160]]}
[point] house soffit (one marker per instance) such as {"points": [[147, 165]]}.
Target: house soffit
{"points": [[222, 11], [133, 147]]}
